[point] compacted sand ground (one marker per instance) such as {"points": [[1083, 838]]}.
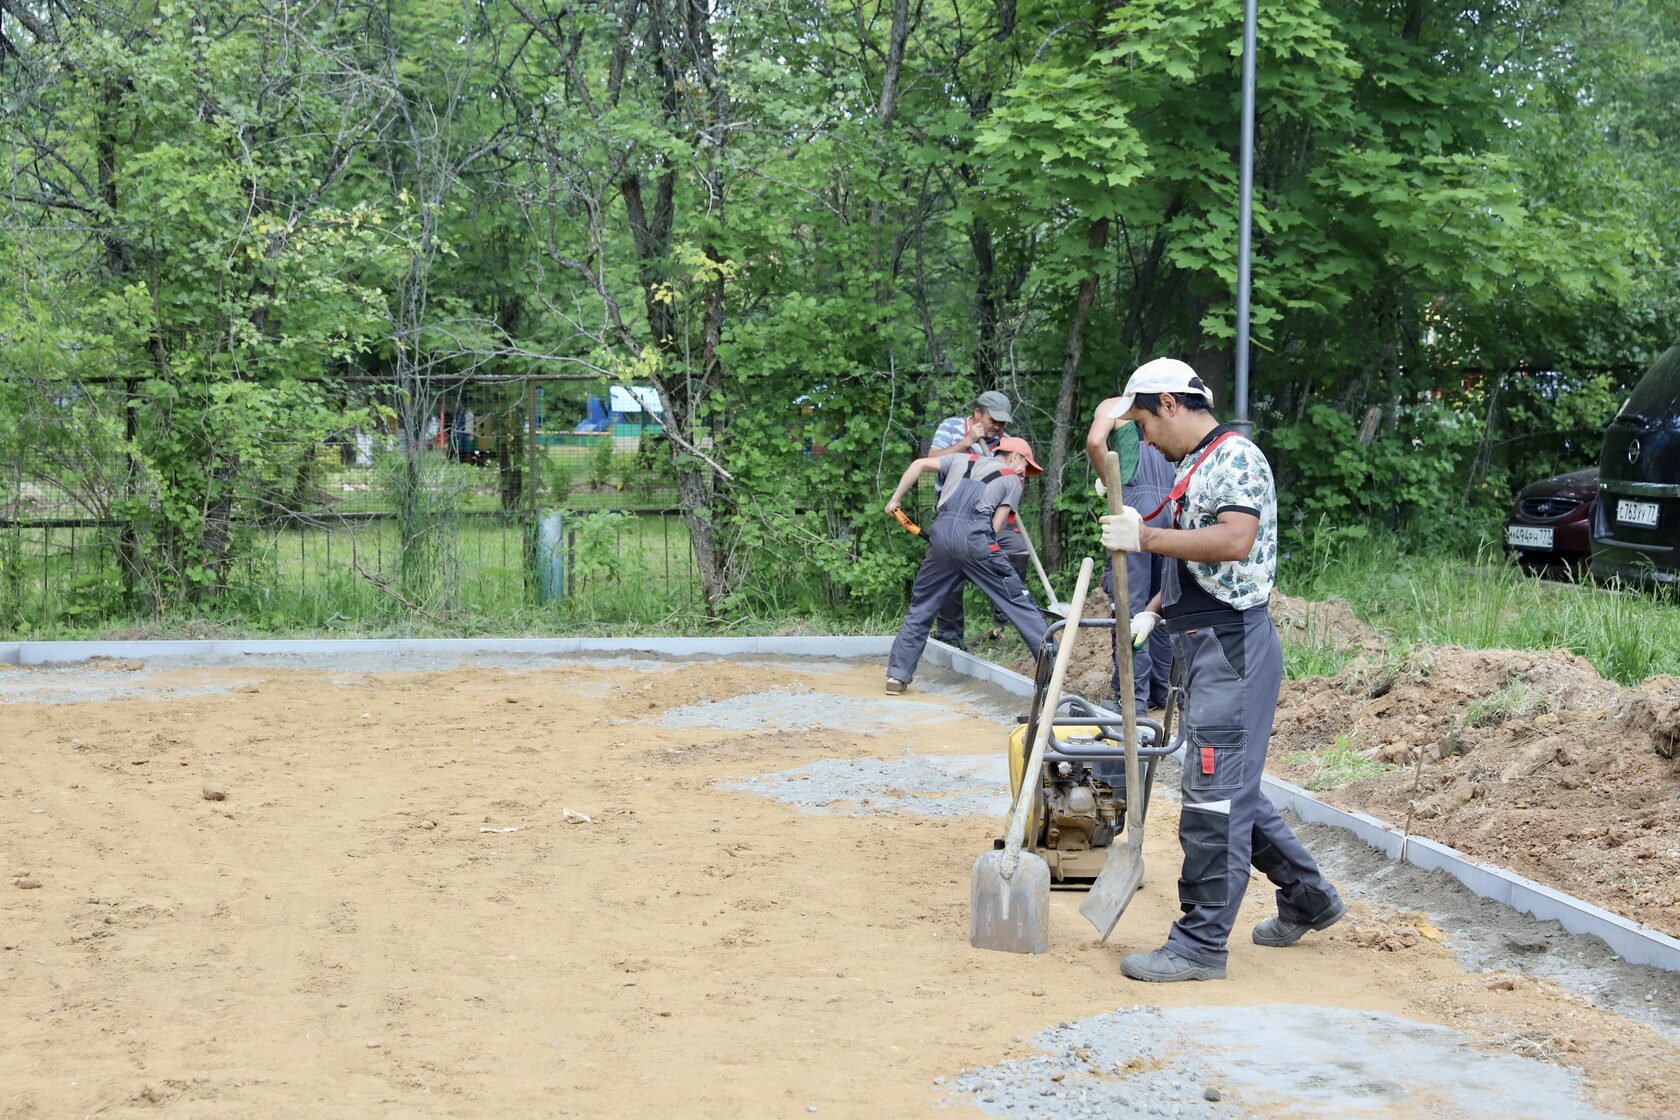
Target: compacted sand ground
{"points": [[398, 909]]}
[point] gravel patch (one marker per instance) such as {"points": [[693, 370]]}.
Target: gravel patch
{"points": [[804, 711], [915, 785], [1315, 1063]]}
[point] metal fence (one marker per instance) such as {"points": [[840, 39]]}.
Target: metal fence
{"points": [[61, 571], [315, 532]]}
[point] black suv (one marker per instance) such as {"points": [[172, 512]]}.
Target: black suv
{"points": [[1636, 527]]}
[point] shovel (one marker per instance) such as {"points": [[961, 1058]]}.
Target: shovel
{"points": [[1122, 873], [1009, 892], [1056, 607]]}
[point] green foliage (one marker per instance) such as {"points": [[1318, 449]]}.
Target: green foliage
{"points": [[595, 556], [599, 470], [1406, 479], [425, 490], [1466, 218]]}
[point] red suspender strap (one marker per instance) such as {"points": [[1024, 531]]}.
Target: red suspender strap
{"points": [[1183, 484]]}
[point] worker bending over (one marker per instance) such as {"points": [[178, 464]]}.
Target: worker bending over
{"points": [[976, 497], [978, 433], [1221, 552]]}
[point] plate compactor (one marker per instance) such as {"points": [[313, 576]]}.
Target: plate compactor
{"points": [[1081, 806]]}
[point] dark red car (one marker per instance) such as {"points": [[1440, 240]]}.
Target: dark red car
{"points": [[1550, 525]]}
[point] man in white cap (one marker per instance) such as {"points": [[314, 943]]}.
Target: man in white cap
{"points": [[1221, 558], [978, 433]]}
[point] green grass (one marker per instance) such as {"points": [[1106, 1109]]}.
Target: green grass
{"points": [[1337, 766], [1302, 660], [1516, 699], [1487, 602], [567, 479]]}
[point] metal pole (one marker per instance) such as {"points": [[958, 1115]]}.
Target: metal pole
{"points": [[1245, 219], [531, 434]]}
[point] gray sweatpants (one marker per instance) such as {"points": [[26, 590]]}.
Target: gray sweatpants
{"points": [[961, 548], [1232, 673]]}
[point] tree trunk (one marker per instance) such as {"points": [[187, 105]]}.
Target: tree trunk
{"points": [[1073, 357]]}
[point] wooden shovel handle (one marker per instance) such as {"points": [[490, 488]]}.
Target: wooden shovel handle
{"points": [[1123, 646]]}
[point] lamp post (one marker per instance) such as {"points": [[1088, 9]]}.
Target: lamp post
{"points": [[1245, 219]]}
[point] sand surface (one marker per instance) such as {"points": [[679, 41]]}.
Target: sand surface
{"points": [[389, 915]]}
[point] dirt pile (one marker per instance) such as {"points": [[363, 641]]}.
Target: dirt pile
{"points": [[1091, 672], [1529, 760], [1655, 712]]}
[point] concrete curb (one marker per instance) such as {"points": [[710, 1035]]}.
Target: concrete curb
{"points": [[44, 653], [1636, 944]]}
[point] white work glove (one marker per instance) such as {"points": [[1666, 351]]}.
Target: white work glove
{"points": [[1120, 530], [1143, 625], [1102, 488]]}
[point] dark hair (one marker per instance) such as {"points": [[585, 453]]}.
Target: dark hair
{"points": [[1151, 402]]}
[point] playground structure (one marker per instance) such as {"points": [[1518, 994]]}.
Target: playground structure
{"points": [[625, 415]]}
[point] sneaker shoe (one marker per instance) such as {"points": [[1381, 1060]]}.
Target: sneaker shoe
{"points": [[1277, 933], [895, 686], [994, 633], [1164, 966]]}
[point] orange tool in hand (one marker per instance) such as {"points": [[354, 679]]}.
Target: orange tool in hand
{"points": [[910, 526]]}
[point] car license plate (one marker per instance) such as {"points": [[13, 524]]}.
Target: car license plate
{"points": [[1637, 513], [1528, 536]]}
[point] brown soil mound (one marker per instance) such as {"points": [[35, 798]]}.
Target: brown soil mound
{"points": [[1092, 671], [1656, 712], [1529, 760]]}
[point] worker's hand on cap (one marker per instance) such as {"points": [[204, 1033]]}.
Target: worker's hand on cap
{"points": [[1120, 530], [1143, 625]]}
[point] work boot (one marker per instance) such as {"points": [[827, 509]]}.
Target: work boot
{"points": [[1164, 966], [1276, 933], [895, 686]]}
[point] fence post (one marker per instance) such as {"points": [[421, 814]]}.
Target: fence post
{"points": [[551, 556], [531, 433]]}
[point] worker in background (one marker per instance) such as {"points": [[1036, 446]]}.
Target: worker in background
{"points": [[1145, 478], [977, 433], [1221, 558], [976, 496]]}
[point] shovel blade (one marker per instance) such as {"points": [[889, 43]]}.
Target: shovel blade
{"points": [[1009, 913], [1109, 896]]}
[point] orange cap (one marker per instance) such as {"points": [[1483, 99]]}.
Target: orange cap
{"points": [[1020, 447]]}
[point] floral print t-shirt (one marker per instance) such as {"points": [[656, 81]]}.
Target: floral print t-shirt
{"points": [[1235, 476]]}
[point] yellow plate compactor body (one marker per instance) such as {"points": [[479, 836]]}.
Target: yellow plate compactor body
{"points": [[1079, 810]]}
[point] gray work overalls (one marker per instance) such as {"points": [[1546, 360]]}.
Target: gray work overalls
{"points": [[961, 545], [1230, 671]]}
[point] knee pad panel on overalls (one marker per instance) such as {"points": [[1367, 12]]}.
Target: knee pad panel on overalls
{"points": [[1204, 833]]}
